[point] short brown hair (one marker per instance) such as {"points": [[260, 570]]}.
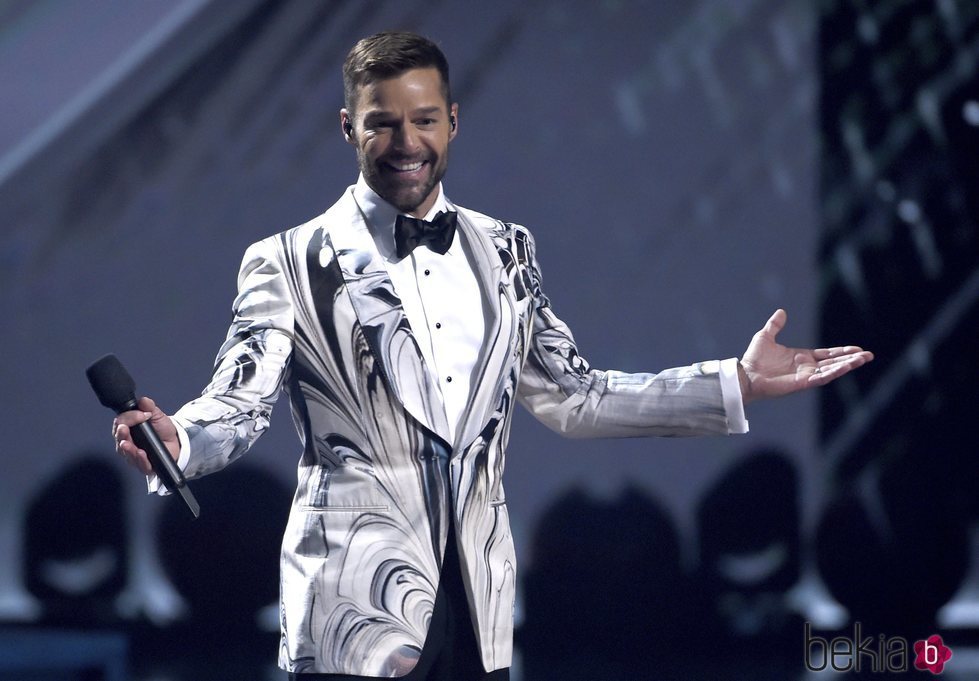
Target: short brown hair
{"points": [[388, 55]]}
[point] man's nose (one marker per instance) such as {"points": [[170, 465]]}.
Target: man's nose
{"points": [[406, 138]]}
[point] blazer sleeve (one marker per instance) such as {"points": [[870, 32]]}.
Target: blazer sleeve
{"points": [[559, 387], [235, 407]]}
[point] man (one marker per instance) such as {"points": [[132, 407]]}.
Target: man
{"points": [[404, 329]]}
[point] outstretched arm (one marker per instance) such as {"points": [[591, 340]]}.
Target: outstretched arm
{"points": [[768, 369]]}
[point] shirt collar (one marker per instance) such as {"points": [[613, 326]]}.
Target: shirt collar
{"points": [[381, 215]]}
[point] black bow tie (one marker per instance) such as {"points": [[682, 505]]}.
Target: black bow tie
{"points": [[409, 233]]}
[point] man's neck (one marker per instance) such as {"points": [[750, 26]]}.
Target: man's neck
{"points": [[381, 215]]}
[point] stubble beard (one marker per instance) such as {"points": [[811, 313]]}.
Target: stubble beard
{"points": [[405, 199]]}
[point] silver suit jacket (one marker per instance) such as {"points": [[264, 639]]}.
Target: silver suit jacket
{"points": [[317, 316]]}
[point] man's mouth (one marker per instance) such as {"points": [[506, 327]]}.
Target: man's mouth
{"points": [[405, 167]]}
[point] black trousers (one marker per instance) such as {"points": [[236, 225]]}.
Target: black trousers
{"points": [[450, 652]]}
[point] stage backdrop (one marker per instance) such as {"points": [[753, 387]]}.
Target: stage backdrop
{"points": [[662, 153]]}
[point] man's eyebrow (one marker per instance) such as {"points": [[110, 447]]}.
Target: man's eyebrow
{"points": [[379, 114]]}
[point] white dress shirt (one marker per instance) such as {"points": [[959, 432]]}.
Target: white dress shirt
{"points": [[441, 298]]}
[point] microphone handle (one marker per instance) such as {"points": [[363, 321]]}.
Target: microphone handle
{"points": [[147, 439]]}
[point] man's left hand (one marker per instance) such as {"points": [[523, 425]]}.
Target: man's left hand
{"points": [[772, 370]]}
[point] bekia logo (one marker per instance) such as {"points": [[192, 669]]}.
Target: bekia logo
{"points": [[931, 654], [883, 654]]}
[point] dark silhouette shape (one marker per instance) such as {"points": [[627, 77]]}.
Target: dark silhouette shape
{"points": [[226, 563], [750, 556], [893, 551], [76, 552], [604, 596]]}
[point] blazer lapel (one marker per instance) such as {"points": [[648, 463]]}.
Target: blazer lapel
{"points": [[382, 317], [489, 377]]}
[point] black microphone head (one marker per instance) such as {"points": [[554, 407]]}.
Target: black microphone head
{"points": [[112, 384]]}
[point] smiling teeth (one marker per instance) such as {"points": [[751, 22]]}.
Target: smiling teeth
{"points": [[407, 167]]}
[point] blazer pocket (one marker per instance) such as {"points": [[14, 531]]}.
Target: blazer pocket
{"points": [[343, 488]]}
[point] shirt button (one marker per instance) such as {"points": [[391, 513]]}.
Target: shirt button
{"points": [[427, 272], [438, 325], [448, 379]]}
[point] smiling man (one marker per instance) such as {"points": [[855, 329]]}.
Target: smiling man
{"points": [[404, 329], [404, 125]]}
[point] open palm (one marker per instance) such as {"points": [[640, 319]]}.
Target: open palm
{"points": [[773, 370]]}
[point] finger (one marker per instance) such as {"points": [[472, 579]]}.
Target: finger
{"points": [[839, 351], [775, 323], [124, 443], [142, 462], [127, 449], [135, 456], [146, 404], [834, 369], [153, 412], [132, 418], [861, 358]]}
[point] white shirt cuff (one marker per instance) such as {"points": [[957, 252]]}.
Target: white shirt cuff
{"points": [[731, 394], [153, 483]]}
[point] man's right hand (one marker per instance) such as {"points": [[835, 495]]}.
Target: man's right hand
{"points": [[148, 411]]}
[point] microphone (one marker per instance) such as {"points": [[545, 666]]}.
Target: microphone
{"points": [[116, 390]]}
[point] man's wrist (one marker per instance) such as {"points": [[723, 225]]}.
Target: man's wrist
{"points": [[745, 383]]}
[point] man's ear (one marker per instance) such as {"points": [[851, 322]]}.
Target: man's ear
{"points": [[346, 126], [453, 121]]}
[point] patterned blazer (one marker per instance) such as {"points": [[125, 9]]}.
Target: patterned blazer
{"points": [[317, 315]]}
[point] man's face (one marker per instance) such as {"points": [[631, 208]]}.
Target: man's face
{"points": [[401, 128]]}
